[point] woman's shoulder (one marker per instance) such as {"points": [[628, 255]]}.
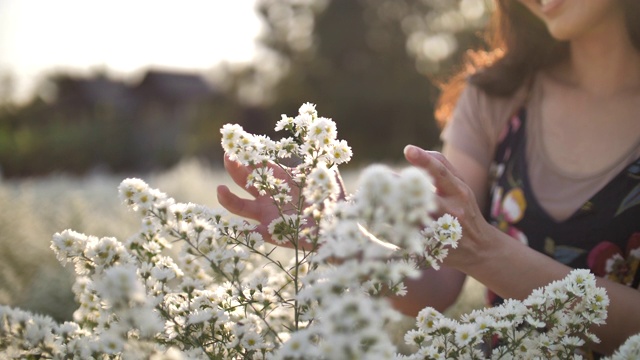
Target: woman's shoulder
{"points": [[478, 120], [492, 111]]}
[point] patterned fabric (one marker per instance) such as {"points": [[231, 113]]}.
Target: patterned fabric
{"points": [[602, 235]]}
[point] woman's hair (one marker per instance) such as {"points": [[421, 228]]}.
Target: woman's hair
{"points": [[519, 45]]}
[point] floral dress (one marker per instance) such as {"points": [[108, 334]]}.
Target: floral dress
{"points": [[603, 235]]}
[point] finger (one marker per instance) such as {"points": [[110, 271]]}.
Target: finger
{"points": [[237, 205], [410, 155], [244, 208], [239, 174], [443, 173], [247, 209]]}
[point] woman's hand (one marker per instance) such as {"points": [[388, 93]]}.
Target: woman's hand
{"points": [[485, 252], [455, 197], [261, 208]]}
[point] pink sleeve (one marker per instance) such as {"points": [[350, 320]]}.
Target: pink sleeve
{"points": [[477, 121], [469, 128]]}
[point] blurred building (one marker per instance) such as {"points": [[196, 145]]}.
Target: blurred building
{"points": [[167, 105], [100, 122]]}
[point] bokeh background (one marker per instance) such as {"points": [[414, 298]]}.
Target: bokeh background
{"points": [[95, 91]]}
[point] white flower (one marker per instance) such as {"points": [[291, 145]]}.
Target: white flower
{"points": [[254, 239], [111, 342], [536, 299], [170, 354], [68, 244], [105, 251], [450, 229], [282, 229], [535, 322], [302, 121], [37, 329], [629, 350], [427, 319], [163, 274], [286, 147], [484, 322], [414, 337], [445, 325], [466, 334], [68, 329], [147, 320], [231, 134], [339, 152], [400, 289], [252, 341], [321, 176], [416, 194], [512, 310], [249, 155], [579, 281], [308, 108], [120, 285], [572, 341], [200, 316], [322, 185], [322, 131], [431, 352], [376, 185], [556, 290], [285, 122], [137, 194], [128, 188]]}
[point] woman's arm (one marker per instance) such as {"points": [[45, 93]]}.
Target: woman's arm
{"points": [[512, 270], [508, 267], [438, 289]]}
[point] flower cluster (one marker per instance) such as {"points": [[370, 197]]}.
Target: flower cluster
{"points": [[196, 282], [314, 145], [553, 322]]}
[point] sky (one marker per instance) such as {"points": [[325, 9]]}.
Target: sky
{"points": [[122, 37]]}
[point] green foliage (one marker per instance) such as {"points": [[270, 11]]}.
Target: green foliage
{"points": [[359, 69]]}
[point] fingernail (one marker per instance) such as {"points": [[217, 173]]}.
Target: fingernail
{"points": [[411, 151]]}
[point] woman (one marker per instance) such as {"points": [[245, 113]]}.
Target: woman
{"points": [[546, 137]]}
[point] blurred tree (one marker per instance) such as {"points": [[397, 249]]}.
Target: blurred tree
{"points": [[368, 64], [7, 89]]}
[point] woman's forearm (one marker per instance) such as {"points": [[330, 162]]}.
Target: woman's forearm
{"points": [[513, 270], [438, 289]]}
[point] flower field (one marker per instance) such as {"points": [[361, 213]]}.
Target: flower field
{"points": [[34, 209]]}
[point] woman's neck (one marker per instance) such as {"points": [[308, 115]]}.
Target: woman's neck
{"points": [[604, 62]]}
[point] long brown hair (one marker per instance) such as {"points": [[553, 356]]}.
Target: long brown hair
{"points": [[519, 45]]}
